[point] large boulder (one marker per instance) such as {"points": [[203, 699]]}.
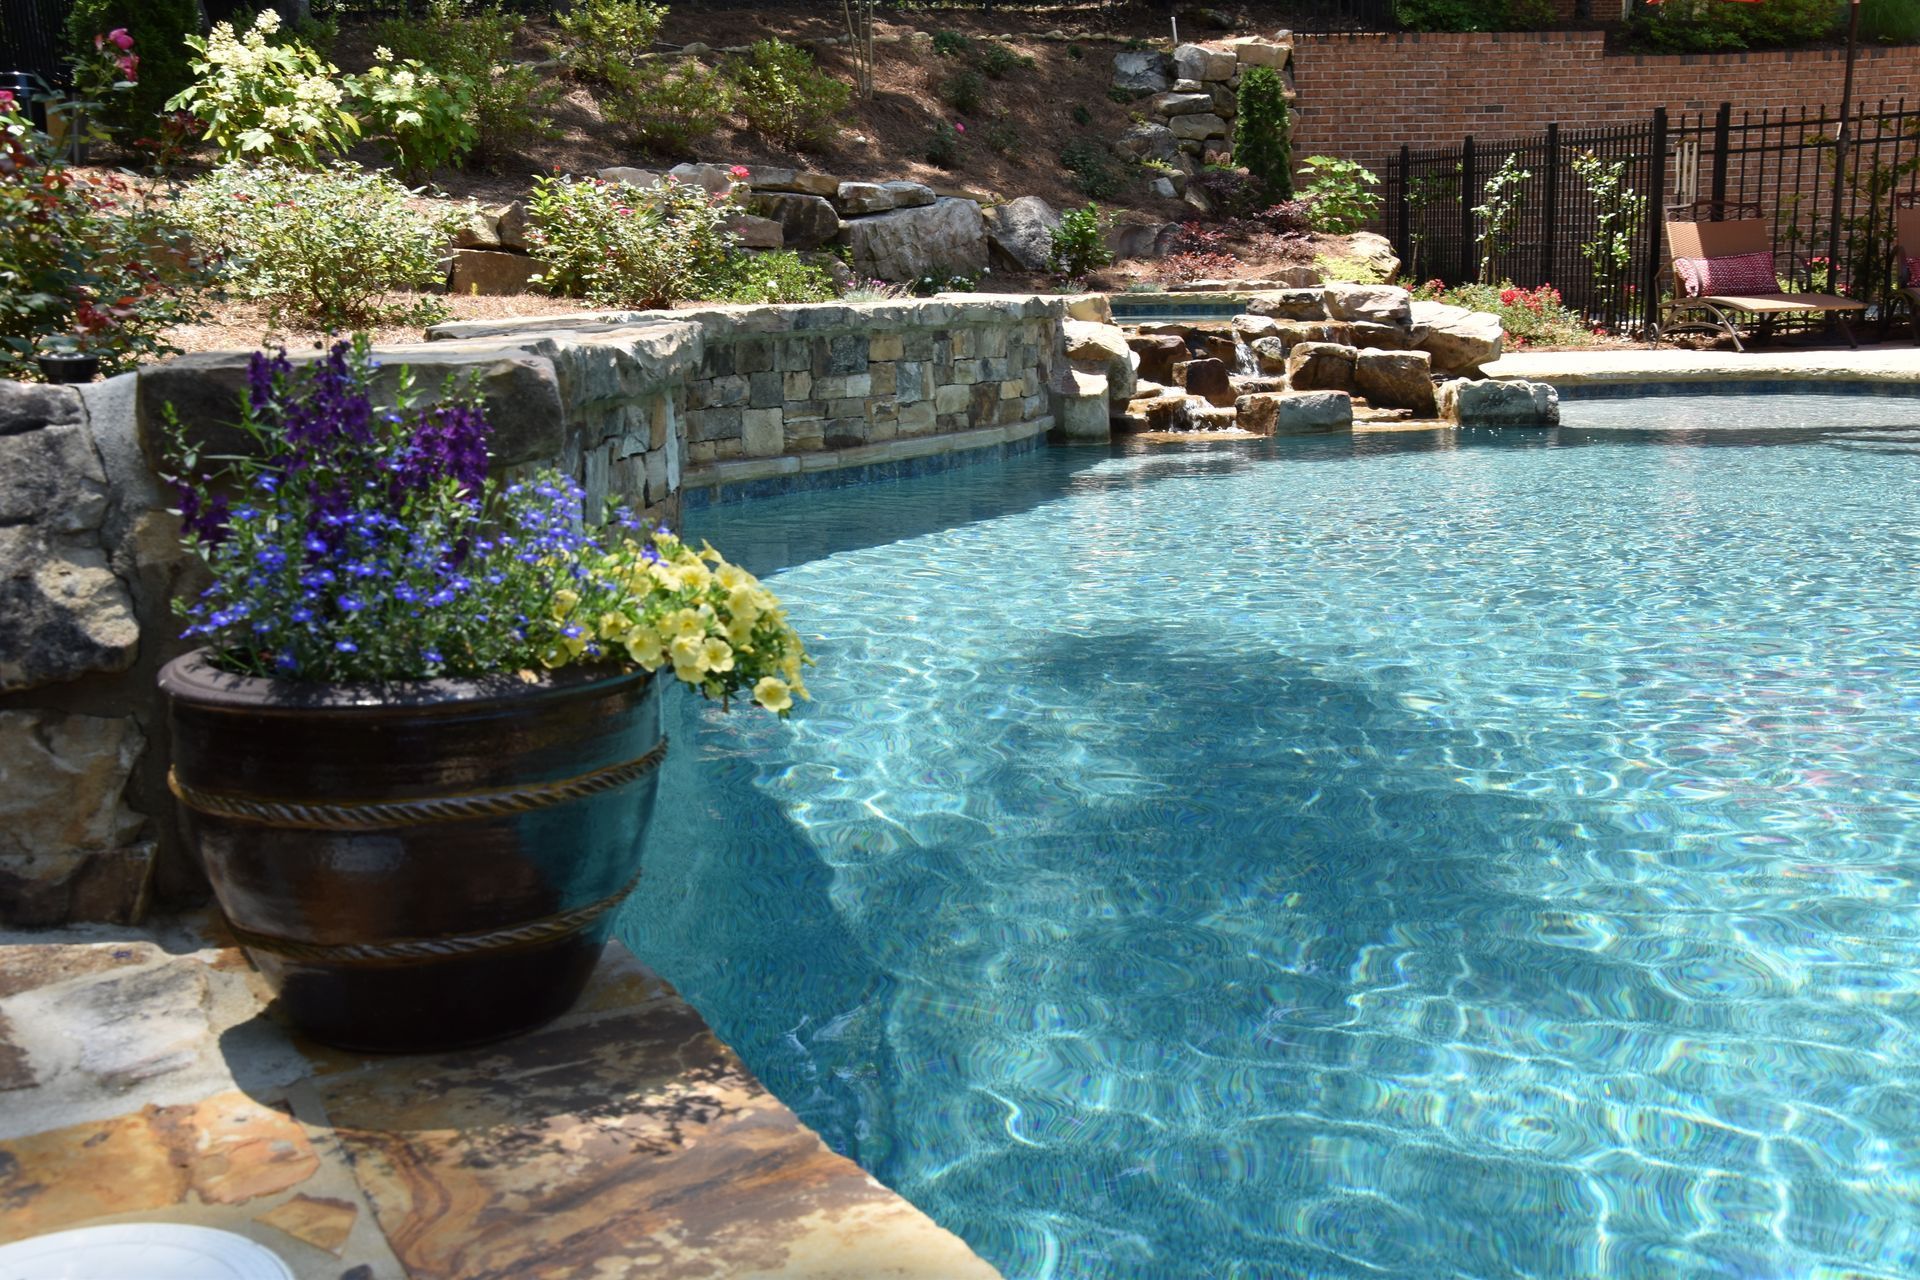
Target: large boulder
{"points": [[1376, 251], [1489, 402], [1381, 304], [947, 235], [1197, 62], [632, 177], [1149, 142], [1142, 74], [1102, 349], [1257, 51], [1197, 127], [1158, 353], [1270, 353], [1020, 233], [806, 221], [1142, 239], [1459, 340], [856, 198], [1289, 413], [773, 178], [1321, 366], [491, 272], [1396, 380], [1290, 304], [1082, 408], [1180, 104], [753, 232], [1207, 379]]}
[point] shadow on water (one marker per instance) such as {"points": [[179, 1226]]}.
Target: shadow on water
{"points": [[1185, 871]]}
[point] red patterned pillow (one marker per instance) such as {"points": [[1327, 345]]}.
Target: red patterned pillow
{"points": [[1739, 275]]}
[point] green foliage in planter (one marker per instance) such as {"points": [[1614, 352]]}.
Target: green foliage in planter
{"points": [[422, 119], [604, 39], [160, 29], [1706, 26], [322, 245], [1093, 167], [261, 98], [777, 276], [473, 40], [1341, 195], [784, 96], [622, 246], [1263, 132], [1079, 242], [668, 108], [965, 91], [82, 258]]}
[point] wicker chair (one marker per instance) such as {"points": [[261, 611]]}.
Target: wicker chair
{"points": [[1906, 248], [1745, 232]]}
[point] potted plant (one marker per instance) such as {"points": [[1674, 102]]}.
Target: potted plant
{"points": [[418, 749], [64, 358]]}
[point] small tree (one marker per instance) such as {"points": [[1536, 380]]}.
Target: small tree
{"points": [[1498, 214], [1263, 133], [1610, 252]]}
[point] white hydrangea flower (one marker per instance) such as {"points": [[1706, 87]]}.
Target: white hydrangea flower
{"points": [[268, 22]]}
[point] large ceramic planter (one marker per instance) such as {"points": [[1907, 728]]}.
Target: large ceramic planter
{"points": [[418, 866]]}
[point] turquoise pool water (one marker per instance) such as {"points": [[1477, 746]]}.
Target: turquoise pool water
{"points": [[1403, 856]]}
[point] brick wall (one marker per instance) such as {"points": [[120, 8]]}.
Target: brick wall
{"points": [[1363, 97]]}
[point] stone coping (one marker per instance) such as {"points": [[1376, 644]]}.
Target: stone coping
{"points": [[147, 1080], [1887, 364], [944, 310], [744, 478]]}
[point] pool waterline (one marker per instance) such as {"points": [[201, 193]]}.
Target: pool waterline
{"points": [[1450, 853]]}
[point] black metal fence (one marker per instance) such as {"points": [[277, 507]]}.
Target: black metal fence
{"points": [[1582, 209], [33, 38]]}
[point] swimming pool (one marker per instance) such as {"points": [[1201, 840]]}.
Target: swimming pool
{"points": [[1413, 855]]}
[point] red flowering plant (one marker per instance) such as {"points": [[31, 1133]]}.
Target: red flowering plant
{"points": [[85, 262], [110, 70]]}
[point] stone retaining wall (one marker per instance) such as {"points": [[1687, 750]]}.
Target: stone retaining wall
{"points": [[637, 406]]}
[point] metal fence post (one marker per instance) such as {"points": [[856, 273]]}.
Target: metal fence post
{"points": [[1403, 209], [1467, 237], [1551, 216], [1656, 216], [1722, 140]]}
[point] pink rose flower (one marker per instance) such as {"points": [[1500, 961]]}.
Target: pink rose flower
{"points": [[740, 171], [120, 37], [960, 126], [6, 99]]}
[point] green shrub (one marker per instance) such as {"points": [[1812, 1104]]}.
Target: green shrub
{"points": [[667, 108], [1263, 132], [1001, 137], [943, 147], [1122, 96], [83, 263], [1079, 242], [1093, 167], [160, 29], [784, 96], [1890, 21], [602, 39], [622, 246], [1341, 195], [473, 40], [1702, 26], [1075, 52], [1081, 116], [965, 91], [423, 120], [779, 276], [1454, 15], [951, 44], [999, 62], [324, 245], [262, 99]]}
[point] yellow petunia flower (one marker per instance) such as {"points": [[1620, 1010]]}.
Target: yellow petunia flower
{"points": [[717, 655], [772, 694]]}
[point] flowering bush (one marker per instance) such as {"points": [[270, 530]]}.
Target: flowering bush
{"points": [[366, 544], [81, 258], [623, 246], [259, 98], [472, 41], [783, 95], [422, 118], [160, 27], [325, 245], [1530, 317]]}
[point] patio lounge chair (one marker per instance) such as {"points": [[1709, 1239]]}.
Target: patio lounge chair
{"points": [[1906, 260], [1725, 269]]}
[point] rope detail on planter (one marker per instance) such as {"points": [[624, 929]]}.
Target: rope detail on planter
{"points": [[409, 813], [422, 950]]}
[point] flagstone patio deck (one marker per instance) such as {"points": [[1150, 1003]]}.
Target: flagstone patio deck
{"points": [[1883, 362], [143, 1078]]}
